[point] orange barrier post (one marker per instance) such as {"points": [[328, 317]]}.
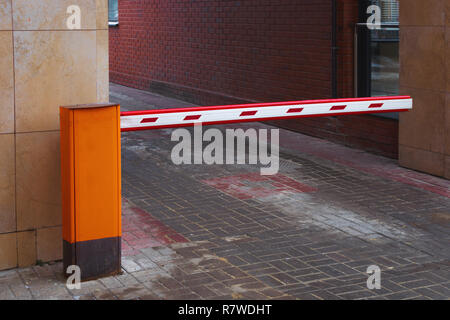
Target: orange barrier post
{"points": [[91, 188]]}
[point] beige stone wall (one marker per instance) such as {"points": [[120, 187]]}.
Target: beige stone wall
{"points": [[425, 75], [43, 65]]}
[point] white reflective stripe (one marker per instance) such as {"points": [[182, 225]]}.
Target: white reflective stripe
{"points": [[219, 115]]}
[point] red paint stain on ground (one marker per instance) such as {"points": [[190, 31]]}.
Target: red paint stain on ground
{"points": [[253, 185], [141, 230]]}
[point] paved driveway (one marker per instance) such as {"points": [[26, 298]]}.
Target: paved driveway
{"points": [[226, 232]]}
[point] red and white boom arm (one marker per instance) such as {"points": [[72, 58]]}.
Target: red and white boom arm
{"points": [[185, 117]]}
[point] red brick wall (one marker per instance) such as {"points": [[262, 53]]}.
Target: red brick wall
{"points": [[251, 49], [222, 52]]}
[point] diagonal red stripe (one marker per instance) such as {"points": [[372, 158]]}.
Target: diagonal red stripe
{"points": [[248, 113], [338, 108], [195, 117], [376, 105], [294, 110], [146, 120]]}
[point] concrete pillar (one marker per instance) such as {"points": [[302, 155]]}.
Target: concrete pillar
{"points": [[425, 75], [44, 64]]}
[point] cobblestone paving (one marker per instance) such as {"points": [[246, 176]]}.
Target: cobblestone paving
{"points": [[225, 232]]}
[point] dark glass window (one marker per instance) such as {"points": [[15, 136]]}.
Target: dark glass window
{"points": [[113, 12], [378, 52]]}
